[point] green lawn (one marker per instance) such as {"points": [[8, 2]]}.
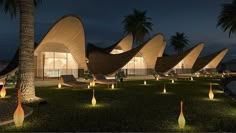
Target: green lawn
{"points": [[133, 107]]}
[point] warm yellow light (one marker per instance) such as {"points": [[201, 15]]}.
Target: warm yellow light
{"points": [[157, 78], [88, 86], [93, 99], [144, 82], [19, 112], [181, 119], [164, 90], [93, 83], [222, 76], [59, 85], [197, 75], [112, 86], [172, 81], [191, 78], [3, 92], [211, 94]]}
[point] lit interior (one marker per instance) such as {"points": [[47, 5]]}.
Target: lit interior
{"points": [[58, 63], [136, 66]]}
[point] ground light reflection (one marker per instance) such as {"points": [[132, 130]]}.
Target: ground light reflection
{"points": [[115, 89], [187, 128], [213, 100], [26, 125], [218, 91], [98, 105], [6, 97]]}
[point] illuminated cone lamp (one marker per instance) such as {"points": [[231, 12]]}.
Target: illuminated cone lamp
{"points": [[164, 90], [3, 91], [172, 81], [93, 99], [144, 82], [88, 86], [211, 94], [19, 112], [112, 86], [157, 78], [181, 119], [91, 84], [59, 85], [191, 78], [222, 76]]}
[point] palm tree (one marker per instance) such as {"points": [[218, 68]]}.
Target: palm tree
{"points": [[227, 17], [25, 80], [179, 41], [138, 24]]}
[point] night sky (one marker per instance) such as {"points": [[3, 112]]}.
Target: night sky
{"points": [[102, 20]]}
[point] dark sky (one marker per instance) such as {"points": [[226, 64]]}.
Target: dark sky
{"points": [[102, 22]]}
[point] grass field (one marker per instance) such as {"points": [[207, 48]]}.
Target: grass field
{"points": [[133, 107]]}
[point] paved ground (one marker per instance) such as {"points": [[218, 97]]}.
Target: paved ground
{"points": [[7, 109]]}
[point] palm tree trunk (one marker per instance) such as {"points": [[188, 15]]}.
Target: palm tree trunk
{"points": [[26, 55]]}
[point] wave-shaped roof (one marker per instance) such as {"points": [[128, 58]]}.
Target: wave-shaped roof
{"points": [[209, 61]]}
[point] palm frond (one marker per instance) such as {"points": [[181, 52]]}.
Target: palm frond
{"points": [[138, 24], [227, 18]]}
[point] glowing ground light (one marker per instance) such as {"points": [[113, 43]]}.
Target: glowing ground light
{"points": [[93, 83], [181, 119], [88, 86], [3, 91], [93, 98], [59, 85], [172, 81], [211, 94], [144, 82], [157, 78], [164, 90], [191, 78], [19, 112], [112, 86]]}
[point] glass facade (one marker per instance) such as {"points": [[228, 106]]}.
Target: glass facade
{"points": [[58, 63], [136, 66]]}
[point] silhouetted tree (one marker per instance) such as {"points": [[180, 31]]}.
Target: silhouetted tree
{"points": [[138, 24], [25, 79], [227, 17], [179, 41]]}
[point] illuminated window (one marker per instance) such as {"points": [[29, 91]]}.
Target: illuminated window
{"points": [[57, 63], [136, 66]]}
